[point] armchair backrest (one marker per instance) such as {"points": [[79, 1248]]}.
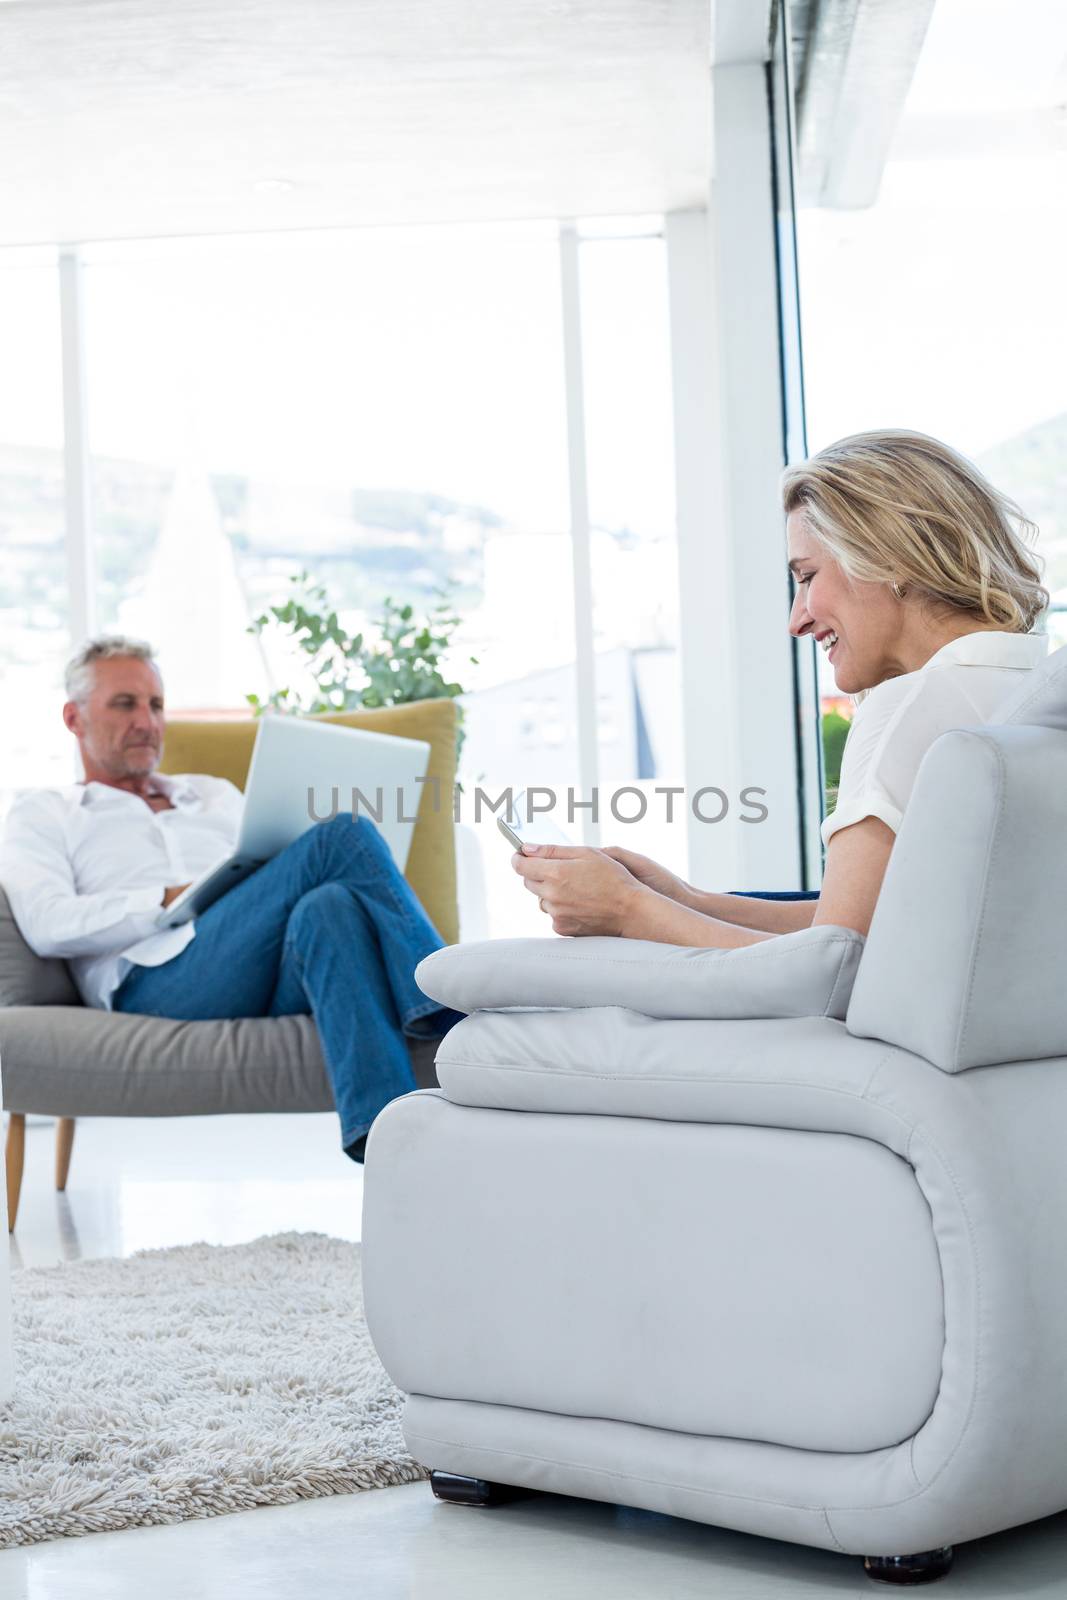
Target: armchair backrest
{"points": [[965, 958], [224, 749]]}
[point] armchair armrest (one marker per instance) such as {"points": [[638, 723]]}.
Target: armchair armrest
{"points": [[27, 979], [805, 974]]}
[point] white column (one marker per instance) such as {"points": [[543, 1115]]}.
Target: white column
{"points": [[708, 646], [752, 452], [737, 661], [584, 658], [81, 577]]}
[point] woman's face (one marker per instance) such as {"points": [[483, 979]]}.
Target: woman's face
{"points": [[865, 617]]}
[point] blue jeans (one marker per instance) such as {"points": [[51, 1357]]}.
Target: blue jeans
{"points": [[778, 894], [329, 929]]}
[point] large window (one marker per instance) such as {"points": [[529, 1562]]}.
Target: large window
{"points": [[387, 410], [626, 337], [373, 406], [940, 306], [34, 616]]}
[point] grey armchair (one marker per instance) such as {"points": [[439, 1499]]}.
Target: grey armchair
{"points": [[59, 1058], [798, 1275]]}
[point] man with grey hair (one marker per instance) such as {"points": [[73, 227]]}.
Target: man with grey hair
{"points": [[114, 709], [328, 928], [81, 669]]}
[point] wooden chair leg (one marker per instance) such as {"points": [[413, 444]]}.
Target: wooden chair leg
{"points": [[64, 1145], [16, 1155]]}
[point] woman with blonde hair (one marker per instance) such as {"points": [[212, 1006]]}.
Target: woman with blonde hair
{"points": [[913, 573]]}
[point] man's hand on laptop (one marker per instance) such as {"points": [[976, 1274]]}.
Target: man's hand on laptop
{"points": [[173, 892]]}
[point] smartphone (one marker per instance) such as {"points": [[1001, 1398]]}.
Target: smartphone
{"points": [[509, 833], [540, 830]]}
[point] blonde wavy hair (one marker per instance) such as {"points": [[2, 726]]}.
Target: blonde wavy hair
{"points": [[900, 508]]}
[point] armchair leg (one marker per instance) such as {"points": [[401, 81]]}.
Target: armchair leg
{"points": [[64, 1146], [921, 1568], [462, 1491], [16, 1155]]}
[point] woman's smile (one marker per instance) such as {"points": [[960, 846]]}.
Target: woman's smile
{"points": [[828, 642]]}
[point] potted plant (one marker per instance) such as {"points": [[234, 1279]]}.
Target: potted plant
{"points": [[346, 669]]}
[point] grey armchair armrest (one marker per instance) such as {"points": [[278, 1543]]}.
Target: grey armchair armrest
{"points": [[804, 974]]}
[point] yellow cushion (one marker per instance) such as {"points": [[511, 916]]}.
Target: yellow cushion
{"points": [[224, 749]]}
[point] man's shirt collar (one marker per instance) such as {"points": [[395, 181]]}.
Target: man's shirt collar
{"points": [[177, 788]]}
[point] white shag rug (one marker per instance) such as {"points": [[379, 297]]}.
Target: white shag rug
{"points": [[191, 1382]]}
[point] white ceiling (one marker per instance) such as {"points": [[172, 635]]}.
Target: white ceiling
{"points": [[125, 118]]}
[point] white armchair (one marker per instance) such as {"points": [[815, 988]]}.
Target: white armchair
{"points": [[799, 1275]]}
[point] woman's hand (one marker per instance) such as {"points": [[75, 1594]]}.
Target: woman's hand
{"points": [[584, 891], [652, 875]]}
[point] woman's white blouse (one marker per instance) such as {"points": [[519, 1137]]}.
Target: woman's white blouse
{"points": [[896, 722]]}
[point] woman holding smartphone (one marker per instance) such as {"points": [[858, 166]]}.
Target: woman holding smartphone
{"points": [[913, 573]]}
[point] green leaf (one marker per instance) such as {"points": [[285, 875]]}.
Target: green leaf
{"points": [[403, 665]]}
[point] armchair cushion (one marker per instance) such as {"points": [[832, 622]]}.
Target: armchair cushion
{"points": [[75, 1061], [804, 974], [72, 1061], [723, 1282], [224, 748], [611, 1062]]}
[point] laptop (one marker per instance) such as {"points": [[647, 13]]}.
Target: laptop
{"points": [[304, 772]]}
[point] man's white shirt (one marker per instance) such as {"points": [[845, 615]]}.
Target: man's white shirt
{"points": [[85, 868]]}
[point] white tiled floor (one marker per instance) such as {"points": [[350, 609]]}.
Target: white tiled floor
{"points": [[140, 1184]]}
